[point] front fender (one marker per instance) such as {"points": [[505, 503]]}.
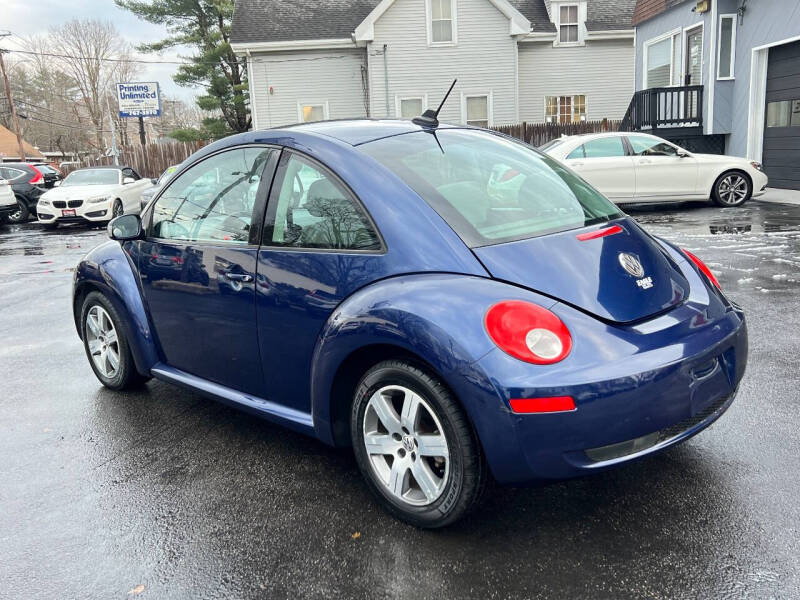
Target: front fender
{"points": [[109, 269], [438, 318]]}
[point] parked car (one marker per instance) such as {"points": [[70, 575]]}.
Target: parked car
{"points": [[148, 194], [376, 292], [29, 181], [8, 202], [639, 167], [93, 194]]}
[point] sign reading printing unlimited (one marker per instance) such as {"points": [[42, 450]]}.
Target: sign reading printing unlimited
{"points": [[139, 99]]}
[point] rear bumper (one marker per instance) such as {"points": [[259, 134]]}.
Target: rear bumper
{"points": [[625, 409]]}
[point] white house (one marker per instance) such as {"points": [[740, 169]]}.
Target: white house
{"points": [[515, 60]]}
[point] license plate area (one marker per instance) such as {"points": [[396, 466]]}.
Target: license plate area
{"points": [[68, 212]]}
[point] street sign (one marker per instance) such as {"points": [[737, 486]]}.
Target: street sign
{"points": [[139, 99]]}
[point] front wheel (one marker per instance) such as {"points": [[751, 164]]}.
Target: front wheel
{"points": [[415, 446], [106, 345], [117, 210], [732, 189]]}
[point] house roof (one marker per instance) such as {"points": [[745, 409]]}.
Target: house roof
{"points": [[288, 20], [647, 9], [10, 149]]}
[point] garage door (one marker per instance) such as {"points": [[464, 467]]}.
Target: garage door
{"points": [[782, 133]]}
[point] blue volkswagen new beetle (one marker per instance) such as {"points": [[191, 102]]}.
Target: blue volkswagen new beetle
{"points": [[448, 301]]}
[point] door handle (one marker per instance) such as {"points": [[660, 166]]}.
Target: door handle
{"points": [[644, 161], [577, 164], [243, 277]]}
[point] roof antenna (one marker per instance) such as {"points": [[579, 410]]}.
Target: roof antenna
{"points": [[430, 117]]}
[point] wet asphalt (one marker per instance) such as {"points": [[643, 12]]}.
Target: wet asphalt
{"points": [[164, 494]]}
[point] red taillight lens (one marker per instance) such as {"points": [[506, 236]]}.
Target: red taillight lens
{"points": [[703, 268], [541, 405], [528, 332], [38, 178]]}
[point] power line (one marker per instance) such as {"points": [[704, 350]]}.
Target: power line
{"points": [[117, 60]]}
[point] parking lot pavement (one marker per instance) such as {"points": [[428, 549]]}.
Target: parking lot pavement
{"points": [[101, 492]]}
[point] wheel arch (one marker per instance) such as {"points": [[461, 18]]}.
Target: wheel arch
{"points": [[729, 170]]}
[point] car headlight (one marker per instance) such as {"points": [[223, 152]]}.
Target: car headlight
{"points": [[99, 199], [757, 165]]}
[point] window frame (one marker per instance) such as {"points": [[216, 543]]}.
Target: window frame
{"points": [[489, 107], [398, 103], [259, 210], [453, 25], [559, 24], [675, 34], [322, 103], [572, 108], [271, 208], [734, 23]]}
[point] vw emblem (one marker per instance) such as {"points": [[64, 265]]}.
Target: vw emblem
{"points": [[408, 443], [631, 264]]}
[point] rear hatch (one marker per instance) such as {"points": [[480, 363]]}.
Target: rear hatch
{"points": [[599, 275]]}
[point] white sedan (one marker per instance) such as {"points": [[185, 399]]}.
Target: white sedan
{"points": [[8, 201], [638, 167], [94, 195]]}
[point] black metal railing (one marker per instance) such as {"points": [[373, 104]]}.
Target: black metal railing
{"points": [[664, 107]]}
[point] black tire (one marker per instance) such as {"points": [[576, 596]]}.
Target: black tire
{"points": [[126, 376], [51, 226], [732, 188], [117, 209], [466, 476], [22, 215]]}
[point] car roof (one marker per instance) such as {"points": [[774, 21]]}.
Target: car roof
{"points": [[117, 167], [361, 131]]}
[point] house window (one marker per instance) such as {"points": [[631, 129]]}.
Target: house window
{"points": [[565, 109], [308, 112], [568, 24], [442, 21], [408, 108], [477, 111], [662, 61], [727, 46]]}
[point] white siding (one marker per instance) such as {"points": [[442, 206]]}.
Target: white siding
{"points": [[307, 76], [601, 70], [483, 60]]}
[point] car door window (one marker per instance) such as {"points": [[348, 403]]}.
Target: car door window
{"points": [[11, 174], [214, 200], [311, 209], [647, 146], [604, 148]]}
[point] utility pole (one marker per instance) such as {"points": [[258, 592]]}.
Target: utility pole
{"points": [[113, 134], [11, 102], [142, 139]]}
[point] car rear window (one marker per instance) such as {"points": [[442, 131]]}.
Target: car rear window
{"points": [[489, 188]]}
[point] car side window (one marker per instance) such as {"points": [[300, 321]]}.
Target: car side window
{"points": [[214, 200], [604, 148], [313, 210], [10, 174], [577, 153], [647, 146]]}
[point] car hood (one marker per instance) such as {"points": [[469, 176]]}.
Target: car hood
{"points": [[588, 274], [718, 158], [79, 192]]}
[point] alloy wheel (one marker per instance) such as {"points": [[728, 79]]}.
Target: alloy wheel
{"points": [[733, 189], [16, 216], [406, 445], [117, 210], [102, 340]]}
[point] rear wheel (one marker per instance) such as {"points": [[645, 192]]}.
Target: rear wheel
{"points": [[415, 446], [21, 214], [117, 210], [106, 345], [732, 189]]}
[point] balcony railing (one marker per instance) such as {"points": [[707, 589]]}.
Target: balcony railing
{"points": [[665, 107]]}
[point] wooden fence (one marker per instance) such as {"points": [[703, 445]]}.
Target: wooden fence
{"points": [[149, 161], [537, 134]]}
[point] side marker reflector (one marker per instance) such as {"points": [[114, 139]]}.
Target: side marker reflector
{"points": [[542, 405], [593, 235]]}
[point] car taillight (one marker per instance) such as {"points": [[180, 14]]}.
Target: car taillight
{"points": [[703, 268], [528, 332], [38, 178]]}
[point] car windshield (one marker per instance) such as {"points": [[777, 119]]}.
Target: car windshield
{"points": [[92, 177], [491, 189], [166, 175]]}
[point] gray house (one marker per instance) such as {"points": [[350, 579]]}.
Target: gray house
{"points": [[515, 60], [722, 75]]}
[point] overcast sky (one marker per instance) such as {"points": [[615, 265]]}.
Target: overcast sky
{"points": [[27, 17]]}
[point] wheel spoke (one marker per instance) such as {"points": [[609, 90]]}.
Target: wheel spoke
{"points": [[386, 413], [379, 443], [113, 358], [397, 477], [95, 346], [111, 337], [410, 410], [93, 323], [432, 445], [426, 480]]}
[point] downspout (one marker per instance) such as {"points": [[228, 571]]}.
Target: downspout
{"points": [[386, 77], [250, 82], [712, 68]]}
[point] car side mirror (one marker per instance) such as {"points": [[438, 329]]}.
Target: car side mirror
{"points": [[56, 183], [125, 227], [154, 181], [127, 180], [683, 154]]}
